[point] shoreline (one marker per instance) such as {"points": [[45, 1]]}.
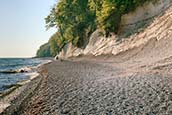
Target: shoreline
{"points": [[88, 87], [9, 95]]}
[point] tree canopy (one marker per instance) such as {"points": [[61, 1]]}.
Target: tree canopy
{"points": [[76, 20]]}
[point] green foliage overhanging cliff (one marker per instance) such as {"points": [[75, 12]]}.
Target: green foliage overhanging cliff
{"points": [[76, 20]]}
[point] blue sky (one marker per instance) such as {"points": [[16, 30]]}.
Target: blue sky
{"points": [[22, 26]]}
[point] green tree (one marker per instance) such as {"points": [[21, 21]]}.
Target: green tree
{"points": [[74, 20], [44, 51], [54, 48], [108, 12]]}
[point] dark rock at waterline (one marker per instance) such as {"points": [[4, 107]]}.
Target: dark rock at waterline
{"points": [[13, 71], [8, 72], [22, 71]]}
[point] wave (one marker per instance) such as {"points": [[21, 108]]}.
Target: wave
{"points": [[21, 70]]}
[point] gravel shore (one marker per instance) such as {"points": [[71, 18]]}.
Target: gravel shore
{"points": [[136, 81], [89, 88]]}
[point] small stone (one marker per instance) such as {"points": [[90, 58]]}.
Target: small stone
{"points": [[65, 111]]}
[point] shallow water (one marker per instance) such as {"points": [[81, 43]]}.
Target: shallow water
{"points": [[14, 65]]}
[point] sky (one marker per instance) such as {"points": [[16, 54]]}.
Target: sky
{"points": [[22, 26]]}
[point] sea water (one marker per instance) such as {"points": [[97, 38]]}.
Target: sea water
{"points": [[13, 70]]}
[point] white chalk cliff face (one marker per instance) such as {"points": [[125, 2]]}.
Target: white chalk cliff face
{"points": [[157, 35]]}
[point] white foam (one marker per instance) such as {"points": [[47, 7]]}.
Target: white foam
{"points": [[25, 69], [4, 103], [31, 75], [45, 62]]}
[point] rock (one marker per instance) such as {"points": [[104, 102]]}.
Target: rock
{"points": [[22, 71], [65, 111], [56, 57], [61, 60]]}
